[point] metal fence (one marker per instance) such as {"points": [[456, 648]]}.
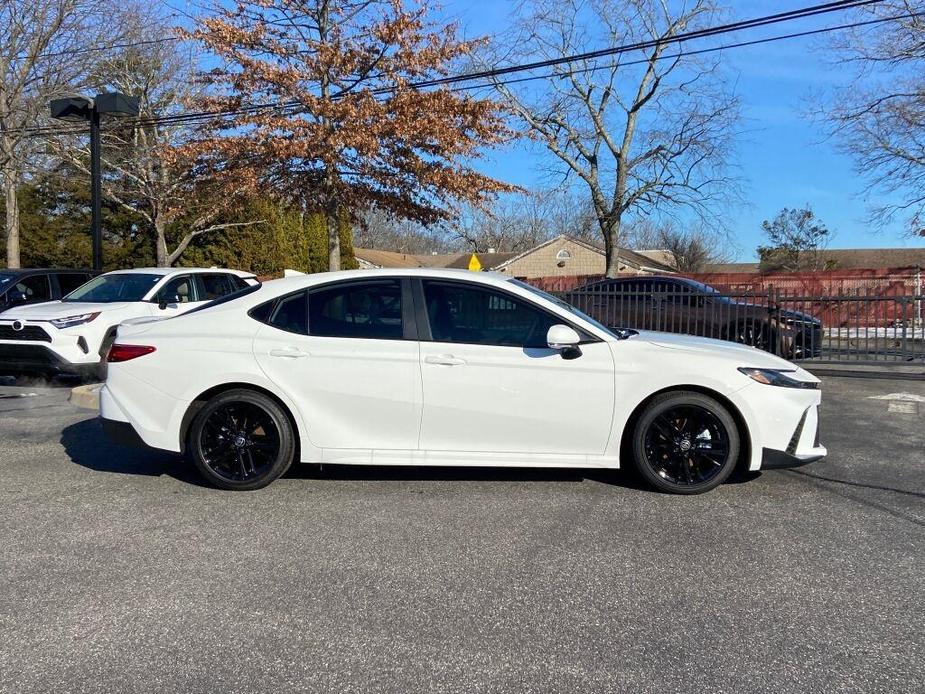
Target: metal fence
{"points": [[863, 325]]}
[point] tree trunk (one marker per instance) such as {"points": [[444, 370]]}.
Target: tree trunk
{"points": [[12, 220], [610, 228], [332, 217], [162, 256]]}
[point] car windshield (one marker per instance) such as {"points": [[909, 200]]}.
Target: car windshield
{"points": [[122, 286], [571, 309], [700, 287]]}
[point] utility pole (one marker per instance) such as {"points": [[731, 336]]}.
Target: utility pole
{"points": [[80, 108]]}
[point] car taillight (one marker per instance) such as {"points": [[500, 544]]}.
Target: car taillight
{"points": [[119, 352]]}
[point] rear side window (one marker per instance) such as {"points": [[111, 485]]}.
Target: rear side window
{"points": [[371, 310], [215, 286], [290, 313]]}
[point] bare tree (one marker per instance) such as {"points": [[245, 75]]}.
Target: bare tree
{"points": [[146, 173], [691, 250], [880, 115], [520, 221], [647, 132], [43, 54]]}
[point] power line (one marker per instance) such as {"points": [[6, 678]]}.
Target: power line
{"points": [[815, 10]]}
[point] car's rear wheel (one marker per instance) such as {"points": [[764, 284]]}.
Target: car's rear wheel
{"points": [[241, 440], [685, 443]]}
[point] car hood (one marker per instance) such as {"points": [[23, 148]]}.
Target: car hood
{"points": [[60, 309], [743, 355]]}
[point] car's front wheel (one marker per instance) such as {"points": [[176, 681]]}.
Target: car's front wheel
{"points": [[685, 443], [241, 440]]}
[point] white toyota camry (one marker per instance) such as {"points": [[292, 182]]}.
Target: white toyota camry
{"points": [[442, 367]]}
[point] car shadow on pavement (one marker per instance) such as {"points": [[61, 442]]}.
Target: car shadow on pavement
{"points": [[87, 445], [410, 473]]}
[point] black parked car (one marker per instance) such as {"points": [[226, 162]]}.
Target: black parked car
{"points": [[33, 286], [681, 305]]}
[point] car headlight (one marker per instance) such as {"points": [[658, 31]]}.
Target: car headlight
{"points": [[71, 321], [776, 377]]}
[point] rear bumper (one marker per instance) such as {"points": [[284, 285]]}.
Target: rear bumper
{"points": [[16, 358], [122, 433]]}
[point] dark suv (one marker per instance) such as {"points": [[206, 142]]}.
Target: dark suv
{"points": [[21, 287], [681, 305]]}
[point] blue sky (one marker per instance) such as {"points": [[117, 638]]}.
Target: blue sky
{"points": [[786, 158]]}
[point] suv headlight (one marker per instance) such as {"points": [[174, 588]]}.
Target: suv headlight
{"points": [[71, 321], [776, 377]]}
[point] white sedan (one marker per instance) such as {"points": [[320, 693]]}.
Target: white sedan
{"points": [[442, 367], [72, 335]]}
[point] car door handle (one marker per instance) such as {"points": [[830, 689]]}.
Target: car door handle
{"points": [[444, 360], [288, 353]]}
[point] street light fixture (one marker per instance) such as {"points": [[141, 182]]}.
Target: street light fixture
{"points": [[80, 108]]}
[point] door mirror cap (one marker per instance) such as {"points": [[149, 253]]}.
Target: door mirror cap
{"points": [[168, 302], [564, 340]]}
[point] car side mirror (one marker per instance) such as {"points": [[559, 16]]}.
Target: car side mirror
{"points": [[168, 302], [564, 340]]}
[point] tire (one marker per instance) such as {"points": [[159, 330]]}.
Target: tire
{"points": [[241, 440], [685, 443], [755, 334]]}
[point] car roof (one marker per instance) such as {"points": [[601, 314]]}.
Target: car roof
{"points": [[39, 270], [293, 283]]}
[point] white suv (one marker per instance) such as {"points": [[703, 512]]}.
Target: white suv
{"points": [[71, 336]]}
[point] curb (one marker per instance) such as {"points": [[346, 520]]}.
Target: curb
{"points": [[86, 397]]}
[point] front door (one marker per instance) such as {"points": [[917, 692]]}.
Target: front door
{"points": [[492, 385], [344, 354]]}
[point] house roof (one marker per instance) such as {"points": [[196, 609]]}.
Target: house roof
{"points": [[844, 259], [632, 258], [386, 259], [494, 261]]}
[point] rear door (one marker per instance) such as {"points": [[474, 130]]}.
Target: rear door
{"points": [[346, 353]]}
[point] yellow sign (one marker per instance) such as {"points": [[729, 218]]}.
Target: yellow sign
{"points": [[474, 263]]}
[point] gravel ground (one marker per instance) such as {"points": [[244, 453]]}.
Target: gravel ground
{"points": [[120, 572]]}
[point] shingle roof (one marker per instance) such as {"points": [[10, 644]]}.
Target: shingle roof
{"points": [[845, 259]]}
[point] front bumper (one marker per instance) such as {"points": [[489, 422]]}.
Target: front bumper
{"points": [[775, 460], [17, 358]]}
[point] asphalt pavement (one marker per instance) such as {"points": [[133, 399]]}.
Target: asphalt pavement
{"points": [[120, 572]]}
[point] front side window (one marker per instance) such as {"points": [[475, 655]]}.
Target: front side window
{"points": [[35, 288], [370, 310], [178, 290], [476, 315], [116, 287]]}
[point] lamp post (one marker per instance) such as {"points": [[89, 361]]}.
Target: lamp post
{"points": [[79, 108]]}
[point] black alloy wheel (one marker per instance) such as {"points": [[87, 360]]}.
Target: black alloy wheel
{"points": [[242, 440], [685, 443]]}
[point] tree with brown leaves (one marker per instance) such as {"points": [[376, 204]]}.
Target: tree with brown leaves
{"points": [[349, 132]]}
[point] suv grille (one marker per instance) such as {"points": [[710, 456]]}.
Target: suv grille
{"points": [[32, 333]]}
